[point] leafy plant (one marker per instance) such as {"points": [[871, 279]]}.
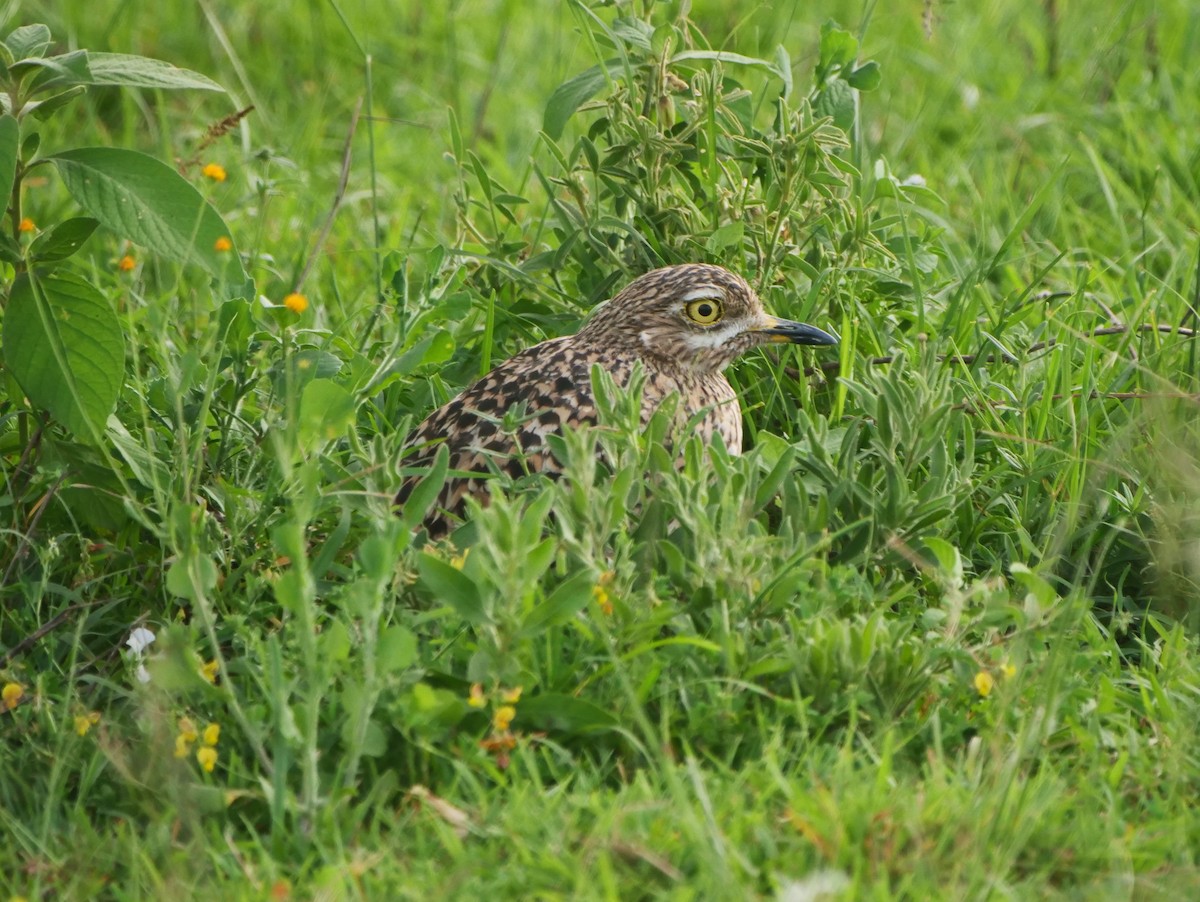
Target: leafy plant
{"points": [[63, 343]]}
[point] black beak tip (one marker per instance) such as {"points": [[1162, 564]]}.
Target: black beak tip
{"points": [[802, 334]]}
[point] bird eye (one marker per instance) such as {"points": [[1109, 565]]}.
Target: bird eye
{"points": [[704, 311]]}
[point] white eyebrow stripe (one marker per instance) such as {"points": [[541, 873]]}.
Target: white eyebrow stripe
{"points": [[713, 338], [708, 292]]}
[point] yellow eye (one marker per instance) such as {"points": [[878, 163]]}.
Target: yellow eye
{"points": [[704, 311]]}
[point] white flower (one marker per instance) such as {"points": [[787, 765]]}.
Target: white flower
{"points": [[139, 640], [142, 674]]}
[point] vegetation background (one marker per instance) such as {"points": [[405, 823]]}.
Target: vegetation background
{"points": [[933, 635]]}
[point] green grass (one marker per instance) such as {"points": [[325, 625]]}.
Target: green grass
{"points": [[738, 675]]}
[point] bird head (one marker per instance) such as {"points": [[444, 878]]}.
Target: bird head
{"points": [[696, 317]]}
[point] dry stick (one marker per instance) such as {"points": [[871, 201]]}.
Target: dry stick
{"points": [[27, 536], [52, 624], [968, 359], [338, 196]]}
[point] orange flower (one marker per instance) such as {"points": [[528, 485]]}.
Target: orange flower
{"points": [[26, 225], [297, 303], [214, 171], [222, 244], [126, 263]]}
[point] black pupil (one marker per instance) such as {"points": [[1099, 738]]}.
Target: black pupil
{"points": [[705, 311]]}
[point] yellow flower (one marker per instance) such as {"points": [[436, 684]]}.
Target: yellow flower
{"points": [[1008, 670], [214, 171], [503, 717], [602, 599], [207, 756], [126, 263], [222, 244], [458, 561], [187, 729], [84, 722], [511, 696], [984, 682], [476, 698], [26, 225], [209, 671], [295, 302], [212, 733], [182, 746], [11, 694]]}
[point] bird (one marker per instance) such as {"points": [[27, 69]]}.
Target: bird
{"points": [[685, 324]]}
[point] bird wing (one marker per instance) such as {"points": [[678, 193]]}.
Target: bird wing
{"points": [[542, 387]]}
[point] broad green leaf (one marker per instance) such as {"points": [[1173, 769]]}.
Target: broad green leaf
{"points": [[866, 77], [192, 576], [28, 41], [147, 201], [728, 235], [437, 347], [143, 72], [836, 100], [397, 649], [62, 240], [838, 46], [10, 137], [570, 95], [567, 600], [65, 69], [326, 409], [453, 587], [564, 713], [64, 345], [44, 109]]}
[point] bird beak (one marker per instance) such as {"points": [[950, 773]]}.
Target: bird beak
{"points": [[781, 330]]}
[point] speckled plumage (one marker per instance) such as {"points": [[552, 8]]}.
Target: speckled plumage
{"points": [[657, 319]]}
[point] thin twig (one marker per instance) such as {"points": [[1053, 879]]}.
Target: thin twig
{"points": [[49, 626]]}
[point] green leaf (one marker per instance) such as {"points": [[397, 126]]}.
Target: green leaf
{"points": [[783, 66], [44, 109], [143, 72], [452, 587], [866, 77], [10, 138], [192, 576], [62, 240], [564, 713], [423, 496], [572, 94], [64, 345], [147, 201], [836, 100], [436, 347], [838, 46], [728, 235], [397, 649], [28, 41], [723, 56], [567, 600], [326, 410], [64, 69]]}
